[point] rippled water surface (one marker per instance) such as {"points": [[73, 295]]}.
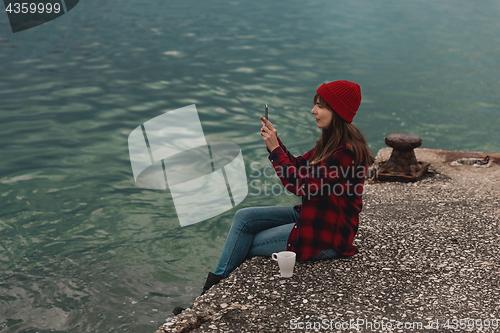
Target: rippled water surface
{"points": [[82, 248]]}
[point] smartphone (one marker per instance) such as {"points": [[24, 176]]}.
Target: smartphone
{"points": [[266, 112]]}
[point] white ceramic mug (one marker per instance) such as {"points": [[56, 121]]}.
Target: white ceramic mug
{"points": [[286, 261]]}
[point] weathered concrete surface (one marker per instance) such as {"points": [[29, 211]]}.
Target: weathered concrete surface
{"points": [[428, 251]]}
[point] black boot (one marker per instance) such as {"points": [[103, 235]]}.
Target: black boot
{"points": [[212, 279]]}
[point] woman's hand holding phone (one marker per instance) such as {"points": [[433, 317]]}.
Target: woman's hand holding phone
{"points": [[269, 134]]}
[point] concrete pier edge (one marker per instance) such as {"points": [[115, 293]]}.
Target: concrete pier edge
{"points": [[429, 255]]}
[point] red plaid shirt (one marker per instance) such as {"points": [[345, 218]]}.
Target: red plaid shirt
{"points": [[331, 200]]}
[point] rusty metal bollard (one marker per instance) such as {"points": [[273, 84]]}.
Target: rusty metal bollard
{"points": [[402, 166]]}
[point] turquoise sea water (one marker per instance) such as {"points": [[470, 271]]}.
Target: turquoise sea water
{"points": [[82, 248]]}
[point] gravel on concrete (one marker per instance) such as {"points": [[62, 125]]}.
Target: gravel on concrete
{"points": [[429, 253]]}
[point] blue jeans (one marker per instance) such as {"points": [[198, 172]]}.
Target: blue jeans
{"points": [[259, 231], [256, 231]]}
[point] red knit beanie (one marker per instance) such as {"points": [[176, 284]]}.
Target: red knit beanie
{"points": [[344, 97]]}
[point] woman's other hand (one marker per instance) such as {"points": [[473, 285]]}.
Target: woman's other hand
{"points": [[269, 134]]}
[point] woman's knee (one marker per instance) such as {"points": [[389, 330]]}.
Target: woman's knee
{"points": [[240, 213], [242, 217]]}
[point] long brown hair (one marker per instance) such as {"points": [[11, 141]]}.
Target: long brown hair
{"points": [[338, 131]]}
